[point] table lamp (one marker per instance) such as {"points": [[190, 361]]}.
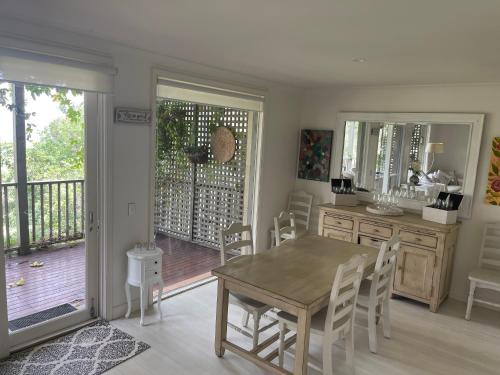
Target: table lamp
{"points": [[434, 148]]}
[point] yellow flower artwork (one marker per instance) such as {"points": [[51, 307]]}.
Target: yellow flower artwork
{"points": [[493, 188]]}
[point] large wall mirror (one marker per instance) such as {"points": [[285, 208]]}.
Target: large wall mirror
{"points": [[411, 155]]}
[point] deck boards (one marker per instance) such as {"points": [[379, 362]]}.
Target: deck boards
{"points": [[62, 278]]}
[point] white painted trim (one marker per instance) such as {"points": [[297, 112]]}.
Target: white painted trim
{"points": [[4, 330], [105, 193], [474, 120], [162, 73]]}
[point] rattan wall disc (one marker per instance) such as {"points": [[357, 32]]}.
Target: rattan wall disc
{"points": [[223, 144]]}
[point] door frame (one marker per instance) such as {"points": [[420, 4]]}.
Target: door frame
{"points": [[98, 109], [161, 72]]}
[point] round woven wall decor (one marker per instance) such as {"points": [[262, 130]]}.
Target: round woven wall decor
{"points": [[223, 144]]}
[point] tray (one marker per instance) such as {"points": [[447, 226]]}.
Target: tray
{"points": [[390, 211]]}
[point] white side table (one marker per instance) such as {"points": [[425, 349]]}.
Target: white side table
{"points": [[144, 271]]}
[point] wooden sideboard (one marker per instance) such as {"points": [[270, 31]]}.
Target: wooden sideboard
{"points": [[425, 260]]}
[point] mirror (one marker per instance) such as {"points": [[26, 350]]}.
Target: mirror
{"points": [[412, 157]]}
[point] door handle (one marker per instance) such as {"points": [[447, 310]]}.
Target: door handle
{"points": [[91, 221]]}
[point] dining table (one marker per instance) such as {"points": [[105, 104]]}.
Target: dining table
{"points": [[295, 277]]}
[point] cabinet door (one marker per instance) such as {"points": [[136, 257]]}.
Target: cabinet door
{"points": [[414, 271]]}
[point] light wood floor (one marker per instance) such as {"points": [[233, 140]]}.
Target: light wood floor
{"points": [[422, 342]]}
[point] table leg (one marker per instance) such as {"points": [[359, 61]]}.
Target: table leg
{"points": [[302, 344], [221, 318], [129, 301]]}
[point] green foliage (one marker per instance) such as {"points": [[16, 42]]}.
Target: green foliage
{"points": [[174, 129]]}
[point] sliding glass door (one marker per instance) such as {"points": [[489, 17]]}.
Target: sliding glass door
{"points": [[48, 139]]}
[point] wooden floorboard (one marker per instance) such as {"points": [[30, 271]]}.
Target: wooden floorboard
{"points": [[422, 343], [62, 278]]}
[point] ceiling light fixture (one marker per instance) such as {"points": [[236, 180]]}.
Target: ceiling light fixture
{"points": [[359, 60]]}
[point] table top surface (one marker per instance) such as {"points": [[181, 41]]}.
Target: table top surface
{"points": [[299, 271]]}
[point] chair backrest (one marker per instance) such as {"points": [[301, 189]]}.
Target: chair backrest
{"points": [[490, 247], [344, 295], [237, 238], [284, 227], [300, 203], [384, 269]]}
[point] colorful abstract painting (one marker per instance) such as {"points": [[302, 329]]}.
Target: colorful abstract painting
{"points": [[493, 189], [315, 154]]}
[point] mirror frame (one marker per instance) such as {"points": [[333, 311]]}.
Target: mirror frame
{"points": [[474, 120]]}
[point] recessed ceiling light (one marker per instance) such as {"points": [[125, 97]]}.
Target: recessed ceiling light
{"points": [[359, 60]]}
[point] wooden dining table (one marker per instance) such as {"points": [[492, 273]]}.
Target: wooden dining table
{"points": [[295, 277]]}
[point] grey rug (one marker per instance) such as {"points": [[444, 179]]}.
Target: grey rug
{"points": [[41, 316], [93, 349]]}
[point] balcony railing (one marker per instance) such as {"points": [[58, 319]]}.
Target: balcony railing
{"points": [[55, 213]]}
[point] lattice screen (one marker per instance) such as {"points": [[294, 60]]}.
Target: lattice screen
{"points": [[174, 190], [195, 201], [417, 142]]}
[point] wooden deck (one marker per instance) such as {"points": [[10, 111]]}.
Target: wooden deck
{"points": [[60, 280], [185, 262], [62, 277]]}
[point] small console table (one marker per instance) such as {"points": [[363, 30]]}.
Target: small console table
{"points": [[144, 271]]}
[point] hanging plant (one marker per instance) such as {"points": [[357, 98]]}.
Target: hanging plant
{"points": [[197, 154]]}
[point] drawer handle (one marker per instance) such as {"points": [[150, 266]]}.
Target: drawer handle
{"points": [[376, 230], [418, 239], [338, 223]]}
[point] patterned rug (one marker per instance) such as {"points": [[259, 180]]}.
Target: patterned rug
{"points": [[93, 349]]}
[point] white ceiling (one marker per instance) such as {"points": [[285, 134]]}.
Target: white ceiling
{"points": [[306, 43]]}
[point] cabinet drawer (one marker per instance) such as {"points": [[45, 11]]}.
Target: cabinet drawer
{"points": [[376, 230], [337, 234], [338, 222], [369, 241], [152, 273], [418, 239], [154, 264]]}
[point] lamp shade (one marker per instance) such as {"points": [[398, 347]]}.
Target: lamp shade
{"points": [[435, 148]]}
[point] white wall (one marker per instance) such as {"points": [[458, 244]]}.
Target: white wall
{"points": [[321, 106], [131, 144]]}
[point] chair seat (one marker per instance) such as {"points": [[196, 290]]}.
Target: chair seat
{"points": [[317, 320], [242, 299], [485, 275]]}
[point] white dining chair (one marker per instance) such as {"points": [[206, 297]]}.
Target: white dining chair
{"points": [[487, 276], [235, 241], [375, 293], [334, 322], [300, 203], [284, 227]]}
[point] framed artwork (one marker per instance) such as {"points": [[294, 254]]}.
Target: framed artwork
{"points": [[493, 188], [315, 154]]}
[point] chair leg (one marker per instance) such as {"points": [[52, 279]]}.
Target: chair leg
{"points": [[386, 319], [349, 348], [281, 350], [256, 320], [470, 300], [327, 357], [244, 319], [372, 328]]}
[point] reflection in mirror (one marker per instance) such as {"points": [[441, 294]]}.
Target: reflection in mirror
{"points": [[410, 160]]}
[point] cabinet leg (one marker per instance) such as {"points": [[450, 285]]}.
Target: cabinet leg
{"points": [[143, 296], [129, 302], [160, 292]]}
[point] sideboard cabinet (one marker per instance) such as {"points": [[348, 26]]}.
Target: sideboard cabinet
{"points": [[425, 260]]}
